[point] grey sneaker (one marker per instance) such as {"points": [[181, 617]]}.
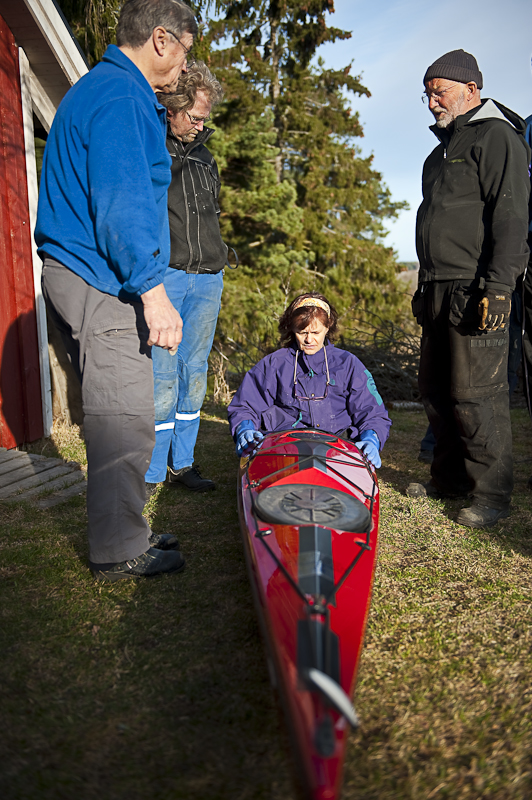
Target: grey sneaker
{"points": [[478, 516], [148, 565]]}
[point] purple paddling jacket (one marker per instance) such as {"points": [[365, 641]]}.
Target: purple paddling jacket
{"points": [[267, 397]]}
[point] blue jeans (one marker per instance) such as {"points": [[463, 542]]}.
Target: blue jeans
{"points": [[180, 381]]}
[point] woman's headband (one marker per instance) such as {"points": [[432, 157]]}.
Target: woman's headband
{"points": [[313, 301]]}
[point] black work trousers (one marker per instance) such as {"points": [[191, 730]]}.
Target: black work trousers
{"points": [[463, 380], [527, 328]]}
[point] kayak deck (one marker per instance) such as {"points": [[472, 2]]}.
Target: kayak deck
{"points": [[309, 504]]}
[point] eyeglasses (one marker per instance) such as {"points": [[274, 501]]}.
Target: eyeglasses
{"points": [[190, 59], [427, 96], [300, 397], [197, 120]]}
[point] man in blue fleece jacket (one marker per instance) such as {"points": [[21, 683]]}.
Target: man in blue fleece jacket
{"points": [[102, 231]]}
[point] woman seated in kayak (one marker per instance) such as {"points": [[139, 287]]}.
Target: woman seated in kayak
{"points": [[309, 383]]}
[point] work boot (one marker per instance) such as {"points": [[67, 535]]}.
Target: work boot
{"points": [[190, 477], [148, 565], [430, 490], [426, 456], [151, 488], [478, 516], [163, 541]]}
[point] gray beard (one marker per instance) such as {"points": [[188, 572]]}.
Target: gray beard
{"points": [[445, 120]]}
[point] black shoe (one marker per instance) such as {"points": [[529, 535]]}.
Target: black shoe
{"points": [[149, 564], [481, 516], [190, 477], [163, 541], [426, 456], [429, 490], [151, 488]]}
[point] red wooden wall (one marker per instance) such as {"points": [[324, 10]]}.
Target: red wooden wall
{"points": [[20, 388]]}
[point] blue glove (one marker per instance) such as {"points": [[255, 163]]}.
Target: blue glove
{"points": [[368, 442], [247, 438]]}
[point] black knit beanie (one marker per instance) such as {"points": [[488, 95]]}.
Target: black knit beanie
{"points": [[455, 66]]}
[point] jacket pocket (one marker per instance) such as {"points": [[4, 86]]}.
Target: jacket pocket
{"points": [[456, 238], [278, 419]]}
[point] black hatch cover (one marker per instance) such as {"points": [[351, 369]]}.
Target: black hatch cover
{"points": [[303, 504]]}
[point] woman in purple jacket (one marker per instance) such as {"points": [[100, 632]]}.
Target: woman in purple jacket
{"points": [[309, 383]]}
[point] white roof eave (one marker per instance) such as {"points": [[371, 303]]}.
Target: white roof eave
{"points": [[58, 37], [40, 30]]}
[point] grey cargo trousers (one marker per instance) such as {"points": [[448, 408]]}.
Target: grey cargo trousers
{"points": [[106, 340]]}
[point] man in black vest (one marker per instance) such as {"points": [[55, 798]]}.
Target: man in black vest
{"points": [[471, 235], [193, 280]]}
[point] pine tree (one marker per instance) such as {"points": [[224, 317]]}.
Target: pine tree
{"points": [[93, 23], [300, 205], [263, 52]]}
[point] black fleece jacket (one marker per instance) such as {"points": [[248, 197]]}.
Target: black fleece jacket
{"points": [[473, 222], [196, 244]]}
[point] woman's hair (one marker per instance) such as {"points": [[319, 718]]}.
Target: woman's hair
{"points": [[297, 319]]}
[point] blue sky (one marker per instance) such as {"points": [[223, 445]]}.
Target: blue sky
{"points": [[393, 43]]}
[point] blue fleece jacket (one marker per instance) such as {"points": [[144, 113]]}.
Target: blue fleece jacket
{"points": [[104, 183]]}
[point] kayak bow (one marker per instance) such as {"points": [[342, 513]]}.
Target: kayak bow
{"points": [[309, 510]]}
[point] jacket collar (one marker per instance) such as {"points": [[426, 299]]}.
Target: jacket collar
{"points": [[488, 109], [202, 138], [113, 55], [315, 362]]}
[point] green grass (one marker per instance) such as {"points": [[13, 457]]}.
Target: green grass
{"points": [[159, 689]]}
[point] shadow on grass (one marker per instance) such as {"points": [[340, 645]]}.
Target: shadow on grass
{"points": [[401, 467], [155, 689], [158, 690]]}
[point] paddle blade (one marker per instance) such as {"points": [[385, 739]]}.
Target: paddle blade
{"points": [[334, 694]]}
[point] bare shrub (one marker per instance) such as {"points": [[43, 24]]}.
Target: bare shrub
{"points": [[389, 351], [222, 392]]}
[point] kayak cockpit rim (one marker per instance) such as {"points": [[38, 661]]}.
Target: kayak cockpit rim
{"points": [[262, 533], [254, 484]]}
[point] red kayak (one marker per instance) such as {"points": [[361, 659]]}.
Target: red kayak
{"points": [[309, 512]]}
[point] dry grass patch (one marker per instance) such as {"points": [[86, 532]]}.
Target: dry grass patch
{"points": [[159, 689], [444, 690], [66, 442]]}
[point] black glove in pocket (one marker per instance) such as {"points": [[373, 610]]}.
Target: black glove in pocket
{"points": [[463, 307], [418, 304]]}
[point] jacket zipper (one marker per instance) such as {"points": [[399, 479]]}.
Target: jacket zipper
{"points": [[184, 159], [187, 212]]}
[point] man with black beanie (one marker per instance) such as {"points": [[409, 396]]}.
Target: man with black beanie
{"points": [[471, 239]]}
